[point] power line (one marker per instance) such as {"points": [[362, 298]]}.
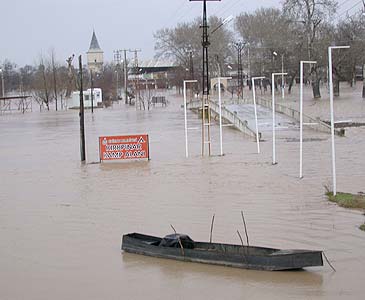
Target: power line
{"points": [[347, 10], [343, 3]]}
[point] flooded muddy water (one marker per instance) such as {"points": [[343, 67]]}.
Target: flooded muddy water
{"points": [[61, 222]]}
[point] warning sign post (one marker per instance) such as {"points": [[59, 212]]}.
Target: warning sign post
{"points": [[124, 147]]}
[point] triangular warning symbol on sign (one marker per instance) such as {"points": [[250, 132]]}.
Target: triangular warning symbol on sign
{"points": [[141, 140]]}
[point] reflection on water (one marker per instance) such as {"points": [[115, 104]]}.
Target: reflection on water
{"points": [[61, 222], [239, 276]]}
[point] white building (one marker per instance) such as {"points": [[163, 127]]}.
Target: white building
{"points": [[95, 56], [74, 101]]}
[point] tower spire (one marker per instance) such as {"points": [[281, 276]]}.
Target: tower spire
{"points": [[94, 44]]}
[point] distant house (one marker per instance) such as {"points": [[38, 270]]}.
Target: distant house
{"points": [[95, 56], [74, 101]]}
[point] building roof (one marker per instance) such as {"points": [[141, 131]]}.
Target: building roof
{"points": [[94, 45], [156, 63]]}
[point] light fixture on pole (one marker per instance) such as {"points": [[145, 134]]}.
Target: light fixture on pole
{"points": [[332, 114], [273, 116], [302, 62], [255, 110]]}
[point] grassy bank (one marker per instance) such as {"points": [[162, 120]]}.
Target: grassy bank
{"points": [[348, 200]]}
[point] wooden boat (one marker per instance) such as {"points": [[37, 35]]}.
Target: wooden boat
{"points": [[181, 247]]}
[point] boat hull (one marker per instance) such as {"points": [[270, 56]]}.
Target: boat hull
{"points": [[257, 258]]}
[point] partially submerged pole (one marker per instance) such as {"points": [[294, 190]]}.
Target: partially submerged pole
{"points": [[255, 111], [81, 114], [274, 162], [185, 117], [211, 229], [332, 116], [244, 224], [302, 62]]}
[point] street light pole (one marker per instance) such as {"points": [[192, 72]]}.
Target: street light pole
{"points": [[220, 112], [282, 77], [185, 117], [255, 110], [332, 116], [301, 116], [273, 116]]}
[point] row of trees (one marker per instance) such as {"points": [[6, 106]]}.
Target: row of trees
{"points": [[50, 82], [300, 30]]}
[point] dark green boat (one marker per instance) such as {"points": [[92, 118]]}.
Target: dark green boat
{"points": [[181, 247]]}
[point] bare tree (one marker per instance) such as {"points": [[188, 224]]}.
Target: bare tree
{"points": [[351, 31], [310, 15], [177, 43], [41, 84]]}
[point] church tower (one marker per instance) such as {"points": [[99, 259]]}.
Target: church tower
{"points": [[95, 56]]}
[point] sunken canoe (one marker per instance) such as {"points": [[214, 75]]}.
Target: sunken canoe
{"points": [[181, 247]]}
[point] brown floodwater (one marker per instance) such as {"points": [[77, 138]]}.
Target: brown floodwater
{"points": [[61, 222]]}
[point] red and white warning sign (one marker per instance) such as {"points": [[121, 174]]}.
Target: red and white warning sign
{"points": [[124, 147]]}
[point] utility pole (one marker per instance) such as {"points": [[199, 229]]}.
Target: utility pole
{"points": [[117, 59], [239, 47], [125, 65], [136, 80], [205, 82], [82, 120]]}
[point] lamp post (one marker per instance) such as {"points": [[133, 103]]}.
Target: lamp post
{"points": [[185, 117], [273, 115], [220, 112], [282, 72], [255, 110], [302, 62], [332, 116]]}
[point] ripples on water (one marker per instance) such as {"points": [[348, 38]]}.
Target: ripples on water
{"points": [[61, 222]]}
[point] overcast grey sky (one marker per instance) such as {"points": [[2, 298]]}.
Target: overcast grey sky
{"points": [[31, 27]]}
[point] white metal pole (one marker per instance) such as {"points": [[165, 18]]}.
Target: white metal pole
{"points": [[186, 117], [301, 116], [282, 77], [220, 115], [255, 110], [332, 121], [301, 122], [186, 123], [332, 116], [273, 118]]}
